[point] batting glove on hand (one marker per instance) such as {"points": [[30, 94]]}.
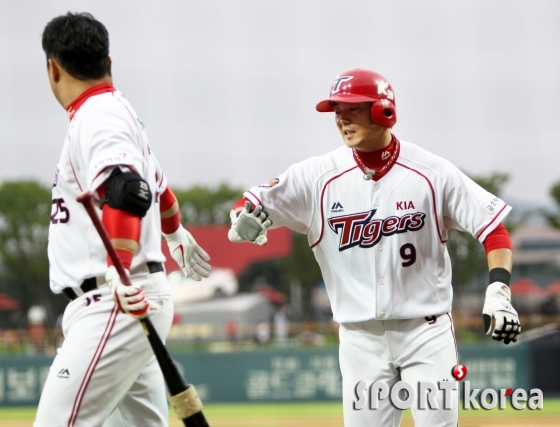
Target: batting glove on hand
{"points": [[497, 305], [130, 299], [249, 225], [189, 256]]}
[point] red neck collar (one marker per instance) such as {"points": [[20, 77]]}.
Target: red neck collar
{"points": [[376, 164], [84, 96]]}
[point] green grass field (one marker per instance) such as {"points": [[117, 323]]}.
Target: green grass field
{"points": [[322, 414]]}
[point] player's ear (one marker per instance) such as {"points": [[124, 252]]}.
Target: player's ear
{"points": [[53, 68]]}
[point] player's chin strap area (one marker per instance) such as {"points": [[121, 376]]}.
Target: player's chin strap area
{"points": [[497, 305]]}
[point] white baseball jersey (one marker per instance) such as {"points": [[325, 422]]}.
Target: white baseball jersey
{"points": [[104, 133], [381, 246]]}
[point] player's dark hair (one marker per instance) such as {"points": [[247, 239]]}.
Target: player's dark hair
{"points": [[80, 44]]}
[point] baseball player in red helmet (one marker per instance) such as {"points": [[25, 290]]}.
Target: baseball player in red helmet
{"points": [[377, 212], [106, 365]]}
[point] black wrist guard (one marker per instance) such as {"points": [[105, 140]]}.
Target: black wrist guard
{"points": [[500, 275]]}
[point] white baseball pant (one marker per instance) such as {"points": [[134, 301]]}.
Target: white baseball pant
{"points": [[106, 361], [412, 350]]}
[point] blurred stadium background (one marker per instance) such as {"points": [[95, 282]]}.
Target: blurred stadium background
{"points": [[257, 338]]}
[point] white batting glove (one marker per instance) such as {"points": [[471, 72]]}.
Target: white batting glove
{"points": [[497, 305], [249, 225], [130, 299], [189, 256]]}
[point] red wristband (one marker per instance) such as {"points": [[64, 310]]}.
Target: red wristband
{"points": [[241, 203]]}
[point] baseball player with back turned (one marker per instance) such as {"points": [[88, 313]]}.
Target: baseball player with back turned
{"points": [[106, 365], [376, 213]]}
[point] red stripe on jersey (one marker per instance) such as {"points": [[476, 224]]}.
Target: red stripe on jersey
{"points": [[258, 200], [321, 205], [433, 197], [490, 223], [133, 117], [454, 336], [71, 165], [92, 365]]}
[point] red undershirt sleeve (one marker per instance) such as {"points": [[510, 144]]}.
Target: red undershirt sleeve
{"points": [[497, 239], [166, 201], [120, 224]]}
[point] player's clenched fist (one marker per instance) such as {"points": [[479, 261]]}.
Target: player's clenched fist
{"points": [[130, 299], [188, 254], [497, 305], [249, 225]]}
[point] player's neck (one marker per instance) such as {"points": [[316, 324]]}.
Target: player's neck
{"points": [[73, 88], [376, 142]]}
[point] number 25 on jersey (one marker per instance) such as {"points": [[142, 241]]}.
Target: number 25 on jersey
{"points": [[59, 212]]}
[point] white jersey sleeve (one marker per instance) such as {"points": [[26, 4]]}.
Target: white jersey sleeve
{"points": [[112, 142], [469, 207], [288, 198]]}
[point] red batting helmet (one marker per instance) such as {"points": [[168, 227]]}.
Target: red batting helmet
{"points": [[364, 86]]}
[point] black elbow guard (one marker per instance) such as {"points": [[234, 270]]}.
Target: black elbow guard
{"points": [[128, 192]]}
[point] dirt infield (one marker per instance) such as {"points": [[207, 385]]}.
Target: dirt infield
{"points": [[464, 421], [268, 422], [321, 415]]}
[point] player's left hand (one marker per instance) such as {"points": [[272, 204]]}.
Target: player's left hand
{"points": [[497, 305], [192, 259]]}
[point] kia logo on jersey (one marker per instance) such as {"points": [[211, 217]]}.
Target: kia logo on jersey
{"points": [[360, 229]]}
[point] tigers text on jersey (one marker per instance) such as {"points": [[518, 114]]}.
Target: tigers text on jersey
{"points": [[104, 133], [381, 245]]}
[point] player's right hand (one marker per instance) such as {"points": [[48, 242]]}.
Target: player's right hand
{"points": [[130, 299], [249, 225], [497, 306]]}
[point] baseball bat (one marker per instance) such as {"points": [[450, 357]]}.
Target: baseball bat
{"points": [[183, 396]]}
